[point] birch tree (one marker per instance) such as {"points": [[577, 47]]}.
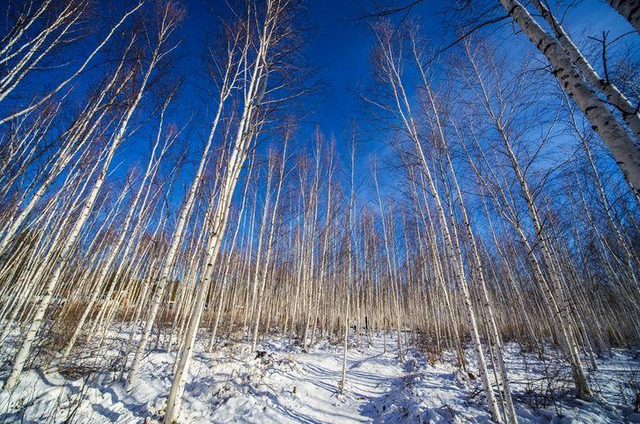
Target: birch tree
{"points": [[623, 148], [629, 9], [87, 206], [272, 31], [391, 72], [236, 49]]}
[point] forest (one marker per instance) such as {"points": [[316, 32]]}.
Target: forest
{"points": [[298, 211]]}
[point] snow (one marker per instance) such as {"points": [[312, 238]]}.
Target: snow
{"points": [[285, 385]]}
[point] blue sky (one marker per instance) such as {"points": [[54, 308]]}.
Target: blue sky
{"points": [[339, 45], [342, 46]]}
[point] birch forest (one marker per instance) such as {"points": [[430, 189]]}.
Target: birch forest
{"points": [[199, 224]]}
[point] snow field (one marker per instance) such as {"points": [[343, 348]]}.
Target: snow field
{"points": [[283, 385]]}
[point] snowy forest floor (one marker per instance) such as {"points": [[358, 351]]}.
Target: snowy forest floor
{"points": [[285, 385]]}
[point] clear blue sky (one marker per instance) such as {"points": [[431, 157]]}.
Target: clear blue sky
{"points": [[339, 45]]}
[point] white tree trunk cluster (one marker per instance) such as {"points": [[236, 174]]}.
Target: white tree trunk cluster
{"points": [[482, 228]]}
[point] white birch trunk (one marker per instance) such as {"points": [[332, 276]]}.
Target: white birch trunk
{"points": [[624, 150], [613, 94], [629, 9]]}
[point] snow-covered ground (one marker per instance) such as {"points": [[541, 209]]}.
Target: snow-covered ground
{"points": [[282, 385]]}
